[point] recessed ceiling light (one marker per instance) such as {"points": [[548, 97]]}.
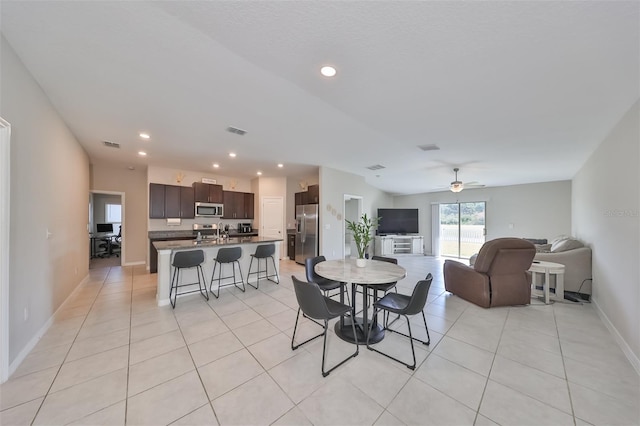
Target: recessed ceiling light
{"points": [[328, 71], [216, 165], [145, 136], [259, 173], [232, 154], [142, 153], [281, 165]]}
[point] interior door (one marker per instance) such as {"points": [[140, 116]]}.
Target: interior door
{"points": [[272, 219]]}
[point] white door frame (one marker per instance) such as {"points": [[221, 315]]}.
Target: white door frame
{"points": [[5, 199], [348, 197], [123, 225], [282, 221]]}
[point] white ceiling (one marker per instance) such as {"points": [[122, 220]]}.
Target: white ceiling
{"points": [[512, 92]]}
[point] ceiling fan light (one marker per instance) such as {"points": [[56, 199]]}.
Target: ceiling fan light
{"points": [[456, 186]]}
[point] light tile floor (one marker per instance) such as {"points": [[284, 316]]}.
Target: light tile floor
{"points": [[113, 357]]}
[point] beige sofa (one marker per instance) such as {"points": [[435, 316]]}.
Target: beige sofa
{"points": [[575, 257]]}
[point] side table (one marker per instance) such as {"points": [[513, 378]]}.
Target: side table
{"points": [[548, 269]]}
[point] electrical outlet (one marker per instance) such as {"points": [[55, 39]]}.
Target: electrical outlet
{"points": [[76, 270], [26, 314]]}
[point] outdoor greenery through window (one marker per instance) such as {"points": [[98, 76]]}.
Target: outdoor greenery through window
{"points": [[462, 229]]}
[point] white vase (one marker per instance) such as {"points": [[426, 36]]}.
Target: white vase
{"points": [[361, 263]]}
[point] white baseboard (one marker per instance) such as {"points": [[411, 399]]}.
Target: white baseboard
{"points": [[45, 327], [633, 358], [142, 262]]}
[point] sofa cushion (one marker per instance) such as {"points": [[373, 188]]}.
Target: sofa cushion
{"points": [[543, 248], [565, 245]]}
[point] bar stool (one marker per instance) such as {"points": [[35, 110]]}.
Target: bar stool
{"points": [[227, 255], [186, 260], [264, 251]]}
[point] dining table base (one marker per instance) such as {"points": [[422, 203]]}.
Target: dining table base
{"points": [[345, 332]]}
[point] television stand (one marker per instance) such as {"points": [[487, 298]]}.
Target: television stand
{"points": [[388, 245]]}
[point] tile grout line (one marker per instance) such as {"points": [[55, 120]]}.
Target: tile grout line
{"points": [[564, 367], [126, 394], [46, 395]]}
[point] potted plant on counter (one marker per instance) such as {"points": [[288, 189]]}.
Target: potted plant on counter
{"points": [[362, 235]]}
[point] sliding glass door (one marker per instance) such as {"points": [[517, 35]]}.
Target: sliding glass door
{"points": [[462, 229]]}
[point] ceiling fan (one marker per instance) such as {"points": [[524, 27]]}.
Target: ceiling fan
{"points": [[458, 185]]}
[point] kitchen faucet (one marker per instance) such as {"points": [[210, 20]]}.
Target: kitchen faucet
{"points": [[219, 227]]}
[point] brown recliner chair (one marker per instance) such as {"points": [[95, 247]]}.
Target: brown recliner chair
{"points": [[499, 276]]}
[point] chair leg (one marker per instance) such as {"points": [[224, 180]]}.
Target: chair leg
{"points": [[258, 274], [324, 349], [174, 285], [275, 270], [411, 339], [215, 265], [293, 345], [241, 277], [202, 287]]}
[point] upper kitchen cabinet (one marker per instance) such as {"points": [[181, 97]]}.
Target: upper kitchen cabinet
{"points": [[313, 194], [238, 205], [170, 201], [208, 193], [156, 201]]}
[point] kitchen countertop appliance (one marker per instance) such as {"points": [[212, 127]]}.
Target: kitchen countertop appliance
{"points": [[244, 228]]}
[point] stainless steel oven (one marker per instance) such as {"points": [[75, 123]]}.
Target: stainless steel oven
{"points": [[209, 210]]}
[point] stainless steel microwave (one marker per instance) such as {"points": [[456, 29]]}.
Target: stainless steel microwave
{"points": [[209, 210]]}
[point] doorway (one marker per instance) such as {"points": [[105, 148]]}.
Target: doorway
{"points": [[352, 212], [462, 229], [106, 210], [272, 220]]}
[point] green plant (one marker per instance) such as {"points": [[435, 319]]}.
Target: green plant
{"points": [[361, 231]]}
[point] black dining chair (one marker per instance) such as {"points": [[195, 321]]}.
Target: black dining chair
{"points": [[315, 305], [325, 284], [404, 305]]}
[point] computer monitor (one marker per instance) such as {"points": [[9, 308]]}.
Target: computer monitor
{"points": [[105, 227]]}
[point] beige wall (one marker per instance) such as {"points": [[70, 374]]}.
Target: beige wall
{"points": [[334, 184], [538, 210], [606, 215], [44, 197], [133, 185]]}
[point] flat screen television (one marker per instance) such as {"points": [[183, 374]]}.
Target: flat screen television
{"points": [[398, 221]]}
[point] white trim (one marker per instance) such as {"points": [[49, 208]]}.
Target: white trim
{"points": [[281, 231], [140, 262], [36, 338], [345, 198], [626, 349], [5, 210]]}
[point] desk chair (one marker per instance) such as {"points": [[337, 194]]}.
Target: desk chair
{"points": [[404, 305], [320, 308]]}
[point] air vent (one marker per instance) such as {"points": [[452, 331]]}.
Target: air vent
{"points": [[429, 147], [376, 167], [111, 144], [236, 131]]}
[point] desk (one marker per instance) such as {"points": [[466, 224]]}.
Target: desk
{"points": [[548, 268], [99, 236], [375, 272]]}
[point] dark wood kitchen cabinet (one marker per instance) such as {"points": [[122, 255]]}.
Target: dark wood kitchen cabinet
{"points": [[238, 205], [156, 201], [208, 193], [313, 194], [170, 201]]}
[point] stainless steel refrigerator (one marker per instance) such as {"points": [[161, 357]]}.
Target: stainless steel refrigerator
{"points": [[306, 232]]}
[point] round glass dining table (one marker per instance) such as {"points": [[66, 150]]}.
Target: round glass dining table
{"points": [[373, 273]]}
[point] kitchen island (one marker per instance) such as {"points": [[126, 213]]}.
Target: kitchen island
{"points": [[166, 250]]}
